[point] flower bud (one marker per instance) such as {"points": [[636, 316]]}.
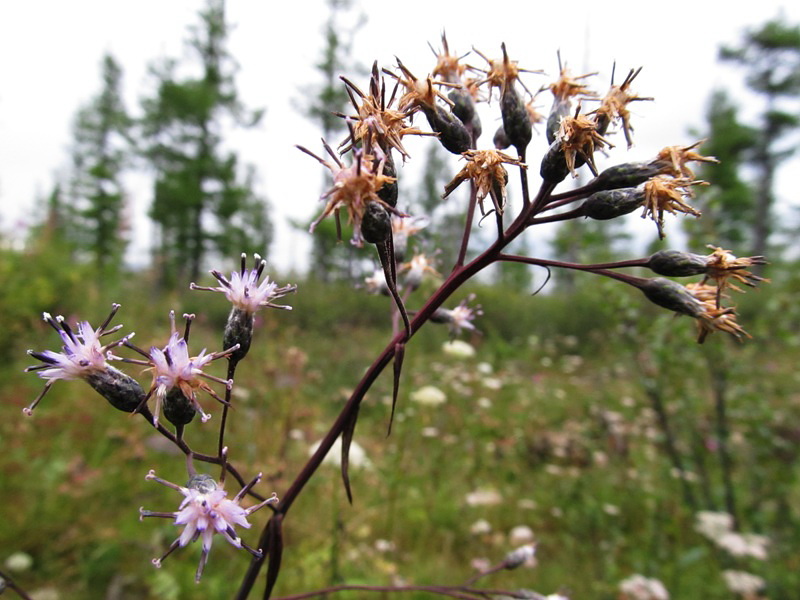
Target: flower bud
{"points": [[238, 330], [554, 164], [673, 263], [672, 295], [500, 139], [520, 556], [376, 225], [610, 204], [464, 109], [389, 191], [516, 119], [453, 134], [178, 409], [122, 391], [625, 175]]}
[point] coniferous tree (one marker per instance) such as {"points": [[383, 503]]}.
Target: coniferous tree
{"points": [[331, 259], [770, 55], [99, 155], [201, 204], [729, 202]]}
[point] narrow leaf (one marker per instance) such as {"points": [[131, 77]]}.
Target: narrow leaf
{"points": [[347, 438]]}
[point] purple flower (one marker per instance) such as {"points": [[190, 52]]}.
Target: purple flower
{"points": [[81, 356], [206, 510], [245, 290]]}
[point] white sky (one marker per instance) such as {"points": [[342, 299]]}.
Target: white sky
{"points": [[52, 50]]}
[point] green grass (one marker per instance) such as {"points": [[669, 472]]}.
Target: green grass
{"points": [[569, 441]]}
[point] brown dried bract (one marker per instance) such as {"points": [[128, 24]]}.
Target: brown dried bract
{"points": [[714, 317], [723, 266], [579, 137], [485, 168], [666, 194], [448, 66], [675, 159], [615, 104], [502, 73], [353, 187]]}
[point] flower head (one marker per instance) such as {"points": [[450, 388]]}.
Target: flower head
{"points": [[246, 291], [722, 266], [354, 187], [81, 356], [639, 587], [458, 318], [204, 511], [614, 105], [176, 373], [674, 159], [665, 194], [579, 137], [485, 168], [415, 270]]}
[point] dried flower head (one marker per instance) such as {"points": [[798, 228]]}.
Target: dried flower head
{"points": [[376, 123], [81, 356], [245, 290], [204, 511], [666, 194], [420, 94], [722, 266], [713, 316], [502, 73], [485, 168], [448, 66], [567, 86], [674, 159], [354, 187], [614, 105], [579, 137]]}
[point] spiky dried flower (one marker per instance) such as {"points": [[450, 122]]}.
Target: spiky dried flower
{"points": [[667, 194], [485, 168], [376, 123], [420, 93], [722, 266], [354, 187], [614, 106], [674, 159], [205, 511], [713, 316], [501, 73], [567, 86], [448, 66], [579, 137]]}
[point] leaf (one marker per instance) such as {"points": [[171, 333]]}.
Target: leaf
{"points": [[399, 354], [386, 255], [347, 438]]}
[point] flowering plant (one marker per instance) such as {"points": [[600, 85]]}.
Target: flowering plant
{"points": [[366, 190]]}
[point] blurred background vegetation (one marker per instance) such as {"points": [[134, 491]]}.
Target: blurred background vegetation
{"points": [[587, 416]]}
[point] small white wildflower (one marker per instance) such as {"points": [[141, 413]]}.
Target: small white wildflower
{"points": [[458, 349], [521, 534], [429, 396], [743, 583], [712, 524], [430, 432], [358, 456], [744, 544], [480, 527], [492, 383], [639, 587], [19, 562], [483, 497], [524, 555]]}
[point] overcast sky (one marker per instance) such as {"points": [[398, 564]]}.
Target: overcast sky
{"points": [[52, 50]]}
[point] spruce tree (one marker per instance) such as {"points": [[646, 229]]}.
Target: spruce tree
{"points": [[201, 202]]}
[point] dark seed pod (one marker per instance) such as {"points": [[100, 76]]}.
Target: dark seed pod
{"points": [[557, 112], [500, 139], [554, 164], [453, 134], [376, 226], [178, 409], [516, 119], [673, 263], [122, 391], [672, 295], [464, 109], [238, 330], [625, 175], [389, 191], [610, 204]]}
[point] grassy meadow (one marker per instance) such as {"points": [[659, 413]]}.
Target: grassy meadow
{"points": [[591, 424]]}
